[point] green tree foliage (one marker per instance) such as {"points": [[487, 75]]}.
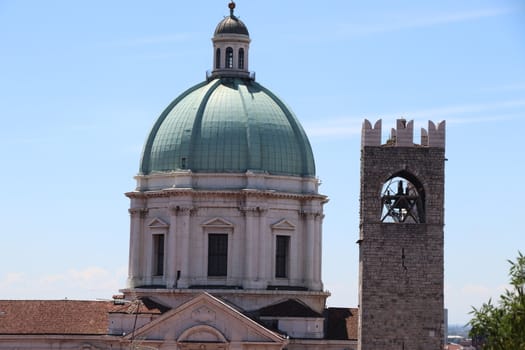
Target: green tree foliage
{"points": [[501, 326]]}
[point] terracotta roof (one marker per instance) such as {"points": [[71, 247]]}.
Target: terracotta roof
{"points": [[288, 308], [341, 323], [54, 317]]}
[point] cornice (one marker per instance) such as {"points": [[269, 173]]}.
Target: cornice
{"points": [[241, 194]]}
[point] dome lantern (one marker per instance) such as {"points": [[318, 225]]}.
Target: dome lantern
{"points": [[231, 42]]}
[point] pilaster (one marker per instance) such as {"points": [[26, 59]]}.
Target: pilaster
{"points": [[183, 226], [253, 256], [137, 216], [311, 252]]}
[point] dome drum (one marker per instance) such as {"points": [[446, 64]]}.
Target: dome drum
{"points": [[185, 179], [231, 55]]}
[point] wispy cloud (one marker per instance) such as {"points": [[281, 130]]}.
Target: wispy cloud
{"points": [[350, 126], [396, 23], [462, 112], [86, 283]]}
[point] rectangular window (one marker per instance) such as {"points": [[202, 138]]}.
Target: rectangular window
{"points": [[217, 254], [158, 255], [282, 248]]}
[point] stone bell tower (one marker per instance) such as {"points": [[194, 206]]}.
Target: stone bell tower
{"points": [[401, 238]]}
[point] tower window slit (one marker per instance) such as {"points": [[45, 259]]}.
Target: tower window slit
{"points": [[229, 57]]}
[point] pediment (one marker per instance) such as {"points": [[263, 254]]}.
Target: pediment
{"points": [[158, 223], [283, 225], [217, 223], [206, 319]]}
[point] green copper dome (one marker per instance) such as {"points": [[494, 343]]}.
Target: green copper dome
{"points": [[228, 125]]}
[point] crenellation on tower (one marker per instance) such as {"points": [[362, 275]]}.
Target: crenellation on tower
{"points": [[403, 134], [436, 134], [371, 136], [424, 137]]}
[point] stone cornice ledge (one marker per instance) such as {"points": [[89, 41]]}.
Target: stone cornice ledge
{"points": [[148, 291], [175, 192]]}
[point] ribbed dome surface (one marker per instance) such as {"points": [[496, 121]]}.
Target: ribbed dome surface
{"points": [[231, 25], [228, 125]]}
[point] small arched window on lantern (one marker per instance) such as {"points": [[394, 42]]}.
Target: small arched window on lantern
{"points": [[241, 58], [218, 58], [229, 57], [403, 200]]}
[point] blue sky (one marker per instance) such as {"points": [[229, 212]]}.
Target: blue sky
{"points": [[81, 83]]}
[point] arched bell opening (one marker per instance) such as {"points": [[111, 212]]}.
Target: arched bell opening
{"points": [[403, 199]]}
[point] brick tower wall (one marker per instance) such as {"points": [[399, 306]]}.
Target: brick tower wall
{"points": [[401, 264]]}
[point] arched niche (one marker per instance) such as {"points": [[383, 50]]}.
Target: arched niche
{"points": [[403, 199], [202, 337]]}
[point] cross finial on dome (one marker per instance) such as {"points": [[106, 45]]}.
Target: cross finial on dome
{"points": [[231, 5]]}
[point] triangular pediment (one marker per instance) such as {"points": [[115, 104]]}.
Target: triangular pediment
{"points": [[217, 223], [157, 223], [206, 319], [283, 225]]}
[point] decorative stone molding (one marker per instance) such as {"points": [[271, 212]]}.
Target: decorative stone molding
{"points": [[203, 314], [283, 224], [310, 214], [87, 347], [138, 211], [200, 333], [181, 210], [218, 223], [158, 223], [242, 195], [252, 211]]}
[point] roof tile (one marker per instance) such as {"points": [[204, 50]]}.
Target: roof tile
{"points": [[54, 317]]}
